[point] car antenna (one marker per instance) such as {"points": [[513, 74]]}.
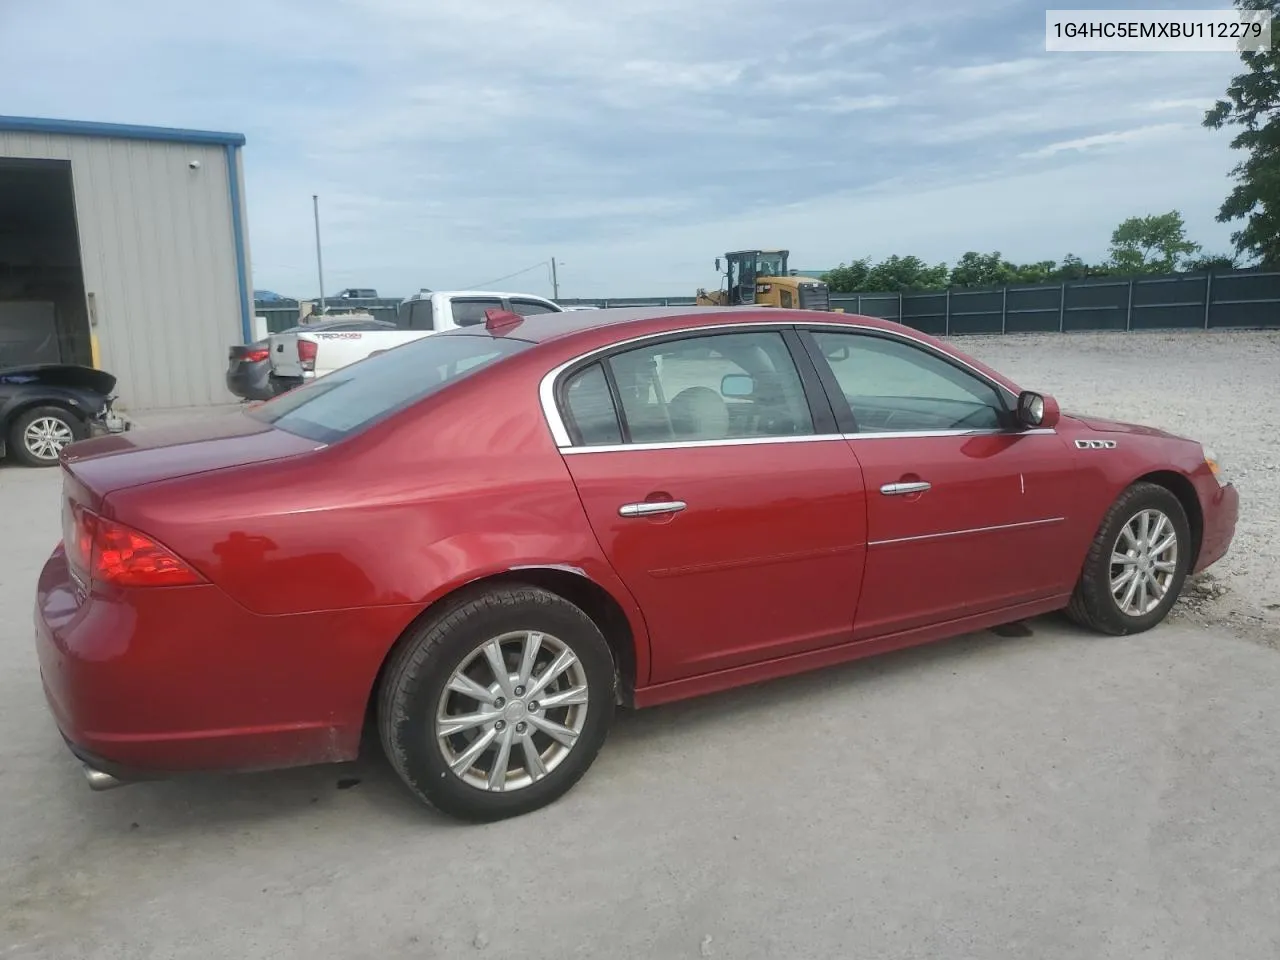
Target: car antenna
{"points": [[499, 321]]}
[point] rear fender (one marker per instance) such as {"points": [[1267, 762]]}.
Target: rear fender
{"points": [[470, 560], [82, 405]]}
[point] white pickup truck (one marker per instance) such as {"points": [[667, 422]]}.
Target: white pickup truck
{"points": [[302, 355]]}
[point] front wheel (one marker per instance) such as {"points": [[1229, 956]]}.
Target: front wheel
{"points": [[39, 435], [1136, 565], [498, 705]]}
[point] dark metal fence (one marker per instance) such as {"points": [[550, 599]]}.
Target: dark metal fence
{"points": [[1177, 301], [1244, 299]]}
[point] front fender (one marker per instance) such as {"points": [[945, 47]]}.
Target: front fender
{"points": [[1105, 472]]}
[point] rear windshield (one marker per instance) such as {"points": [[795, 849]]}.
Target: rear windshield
{"points": [[350, 399]]}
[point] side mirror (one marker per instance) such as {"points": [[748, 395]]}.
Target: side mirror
{"points": [[717, 264], [1037, 410], [737, 386]]}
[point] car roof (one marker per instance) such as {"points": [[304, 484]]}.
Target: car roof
{"points": [[500, 294], [545, 327], [588, 330]]}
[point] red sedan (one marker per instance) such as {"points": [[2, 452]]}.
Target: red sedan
{"points": [[483, 541]]}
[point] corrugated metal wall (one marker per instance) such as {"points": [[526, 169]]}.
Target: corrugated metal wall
{"points": [[158, 252]]}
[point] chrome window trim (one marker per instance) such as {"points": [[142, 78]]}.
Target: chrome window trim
{"points": [[912, 434], [807, 438], [686, 444], [560, 433]]}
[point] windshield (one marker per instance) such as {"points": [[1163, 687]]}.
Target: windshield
{"points": [[771, 265], [352, 398]]}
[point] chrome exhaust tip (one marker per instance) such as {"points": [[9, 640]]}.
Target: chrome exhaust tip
{"points": [[100, 781]]}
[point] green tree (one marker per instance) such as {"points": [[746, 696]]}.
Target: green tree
{"points": [[1152, 244], [1211, 261], [1253, 105], [849, 278], [1040, 272], [900, 274], [983, 270], [1073, 268]]}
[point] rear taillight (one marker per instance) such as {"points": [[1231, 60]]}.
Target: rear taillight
{"points": [[307, 354], [256, 355], [110, 552]]}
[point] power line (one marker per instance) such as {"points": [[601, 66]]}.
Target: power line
{"points": [[488, 283]]}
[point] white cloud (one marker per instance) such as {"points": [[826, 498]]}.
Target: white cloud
{"points": [[1111, 139], [1198, 104], [850, 104], [456, 139]]}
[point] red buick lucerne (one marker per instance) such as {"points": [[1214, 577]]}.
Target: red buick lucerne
{"points": [[483, 541]]}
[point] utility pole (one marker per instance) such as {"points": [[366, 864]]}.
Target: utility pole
{"points": [[315, 204], [555, 281]]}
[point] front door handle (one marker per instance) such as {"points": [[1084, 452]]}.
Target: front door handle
{"points": [[649, 508], [898, 489]]}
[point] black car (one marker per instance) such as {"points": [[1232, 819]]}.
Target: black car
{"points": [[46, 406], [249, 369]]}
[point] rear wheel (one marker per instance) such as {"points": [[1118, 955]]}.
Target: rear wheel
{"points": [[1136, 565], [499, 705], [38, 436]]}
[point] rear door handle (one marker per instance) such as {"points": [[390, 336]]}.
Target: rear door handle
{"points": [[898, 489], [650, 508]]}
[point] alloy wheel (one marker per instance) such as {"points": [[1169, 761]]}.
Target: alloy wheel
{"points": [[1144, 560], [512, 711], [46, 436]]}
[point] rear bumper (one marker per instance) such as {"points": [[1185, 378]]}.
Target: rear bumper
{"points": [[150, 683], [109, 423], [280, 384], [1220, 515], [250, 382]]}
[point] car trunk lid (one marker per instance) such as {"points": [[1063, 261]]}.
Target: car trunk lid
{"points": [[283, 352], [69, 375], [106, 464]]}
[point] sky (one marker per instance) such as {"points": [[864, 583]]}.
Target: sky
{"points": [[455, 142]]}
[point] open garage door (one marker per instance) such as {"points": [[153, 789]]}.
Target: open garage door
{"points": [[43, 318]]}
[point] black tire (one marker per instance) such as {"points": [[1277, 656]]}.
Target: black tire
{"points": [[1092, 604], [421, 667], [18, 444]]}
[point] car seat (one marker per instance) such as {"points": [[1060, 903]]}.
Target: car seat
{"points": [[699, 413]]}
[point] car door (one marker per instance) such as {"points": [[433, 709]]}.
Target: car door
{"points": [[729, 506], [966, 512]]}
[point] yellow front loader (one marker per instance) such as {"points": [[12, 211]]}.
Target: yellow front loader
{"points": [[762, 277]]}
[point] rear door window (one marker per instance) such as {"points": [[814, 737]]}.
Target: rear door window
{"points": [[593, 418], [470, 312], [353, 398], [420, 317], [529, 308]]}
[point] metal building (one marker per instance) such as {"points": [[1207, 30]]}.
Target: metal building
{"points": [[124, 247]]}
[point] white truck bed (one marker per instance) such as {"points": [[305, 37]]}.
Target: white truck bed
{"points": [[306, 354]]}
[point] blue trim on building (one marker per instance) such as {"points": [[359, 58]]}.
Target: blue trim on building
{"points": [[237, 230], [120, 131]]}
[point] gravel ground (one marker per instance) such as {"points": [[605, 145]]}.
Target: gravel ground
{"points": [[1044, 793], [1221, 388]]}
